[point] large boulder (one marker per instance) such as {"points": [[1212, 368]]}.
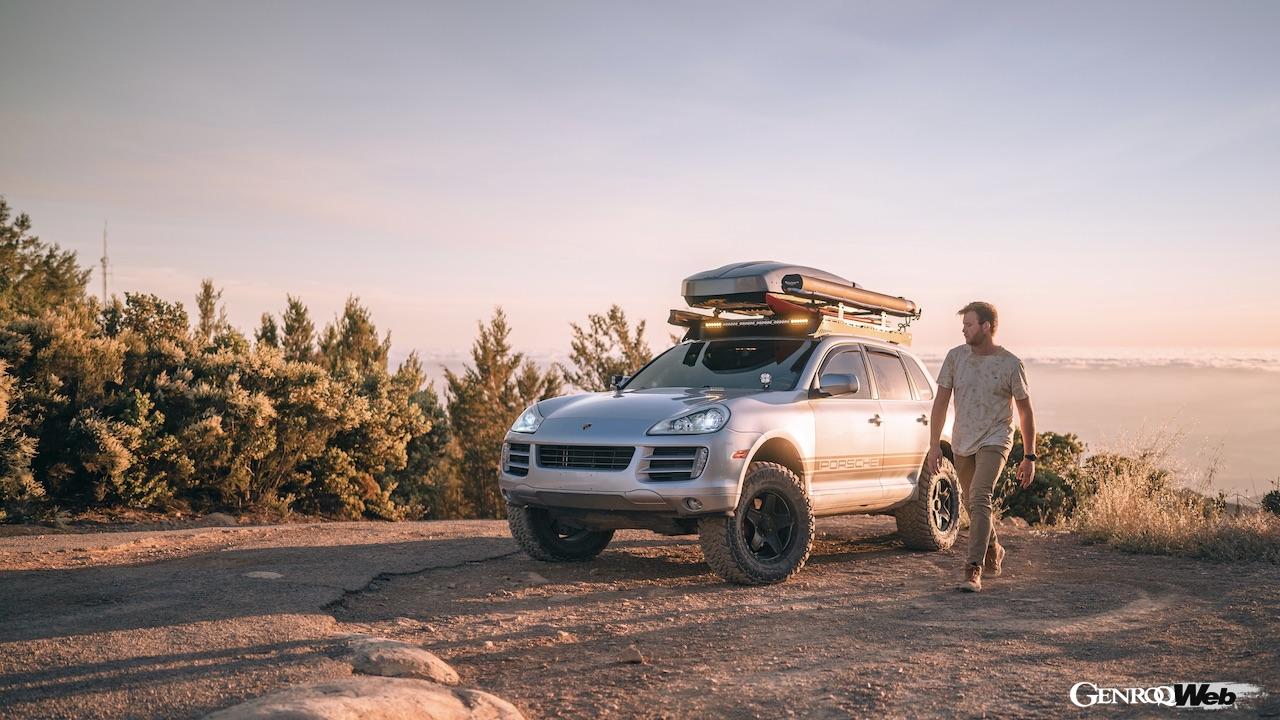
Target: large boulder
{"points": [[372, 698]]}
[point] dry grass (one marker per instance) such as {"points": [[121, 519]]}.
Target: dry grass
{"points": [[1136, 503]]}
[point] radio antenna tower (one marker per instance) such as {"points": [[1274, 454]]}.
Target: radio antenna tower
{"points": [[104, 263]]}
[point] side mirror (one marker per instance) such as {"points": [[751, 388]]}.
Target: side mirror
{"points": [[833, 384], [617, 381]]}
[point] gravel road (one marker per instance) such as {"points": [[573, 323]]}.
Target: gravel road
{"points": [[176, 624]]}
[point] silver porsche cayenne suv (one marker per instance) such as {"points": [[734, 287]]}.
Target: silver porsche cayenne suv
{"points": [[742, 440]]}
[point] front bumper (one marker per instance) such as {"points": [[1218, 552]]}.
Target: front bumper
{"points": [[633, 488]]}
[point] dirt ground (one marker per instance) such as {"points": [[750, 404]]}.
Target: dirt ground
{"points": [[175, 624]]}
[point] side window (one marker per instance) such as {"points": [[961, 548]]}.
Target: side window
{"points": [[891, 377], [923, 389], [849, 361]]}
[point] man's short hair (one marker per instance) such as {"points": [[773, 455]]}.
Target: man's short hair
{"points": [[985, 311]]}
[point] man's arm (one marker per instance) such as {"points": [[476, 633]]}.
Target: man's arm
{"points": [[937, 418], [1027, 421]]}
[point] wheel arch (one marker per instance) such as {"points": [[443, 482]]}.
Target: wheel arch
{"points": [[947, 451], [777, 448]]}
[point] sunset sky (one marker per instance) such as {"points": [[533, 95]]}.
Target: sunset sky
{"points": [[1107, 173]]}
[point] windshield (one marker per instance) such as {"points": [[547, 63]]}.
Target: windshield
{"points": [[727, 364]]}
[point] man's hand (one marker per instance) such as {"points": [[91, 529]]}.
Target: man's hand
{"points": [[1026, 473], [1027, 418], [933, 459]]}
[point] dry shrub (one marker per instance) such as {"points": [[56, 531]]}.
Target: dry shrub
{"points": [[1135, 503]]}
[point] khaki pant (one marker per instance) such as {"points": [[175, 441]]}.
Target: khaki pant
{"points": [[978, 473]]}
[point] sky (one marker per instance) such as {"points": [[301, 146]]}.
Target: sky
{"points": [[1108, 174]]}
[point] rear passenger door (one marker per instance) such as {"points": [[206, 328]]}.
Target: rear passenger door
{"points": [[848, 438], [906, 422]]}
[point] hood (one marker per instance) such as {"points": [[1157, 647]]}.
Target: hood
{"points": [[651, 405]]}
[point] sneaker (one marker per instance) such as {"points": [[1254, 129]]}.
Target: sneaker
{"points": [[994, 562], [973, 578]]}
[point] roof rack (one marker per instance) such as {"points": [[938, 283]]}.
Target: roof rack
{"points": [[790, 300], [880, 327]]}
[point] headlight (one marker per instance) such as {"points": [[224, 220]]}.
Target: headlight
{"points": [[528, 421], [703, 421]]}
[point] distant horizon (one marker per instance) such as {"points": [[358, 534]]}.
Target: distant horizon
{"points": [[1266, 361]]}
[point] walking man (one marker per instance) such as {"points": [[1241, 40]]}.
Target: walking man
{"points": [[987, 381]]}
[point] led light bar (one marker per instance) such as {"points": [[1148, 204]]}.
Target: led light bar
{"points": [[797, 325]]}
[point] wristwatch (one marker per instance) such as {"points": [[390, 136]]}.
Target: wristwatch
{"points": [[1029, 456]]}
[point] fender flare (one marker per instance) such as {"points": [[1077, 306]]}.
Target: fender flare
{"points": [[792, 443]]}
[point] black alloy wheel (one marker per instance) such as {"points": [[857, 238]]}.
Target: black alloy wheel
{"points": [[769, 535], [944, 504], [768, 525]]}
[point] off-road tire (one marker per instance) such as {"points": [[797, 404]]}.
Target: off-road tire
{"points": [[920, 523], [539, 535], [725, 544]]}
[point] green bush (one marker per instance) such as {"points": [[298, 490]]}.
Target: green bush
{"points": [[1057, 485], [1271, 502], [132, 404]]}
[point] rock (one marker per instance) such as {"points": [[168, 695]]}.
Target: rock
{"points": [[1018, 523], [392, 658], [372, 698], [536, 579], [631, 655], [488, 643], [263, 575], [218, 520], [564, 636]]}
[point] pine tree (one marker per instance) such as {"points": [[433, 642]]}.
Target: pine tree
{"points": [[268, 333], [606, 347], [351, 341], [483, 402], [34, 275], [299, 332], [211, 319], [533, 385], [416, 486]]}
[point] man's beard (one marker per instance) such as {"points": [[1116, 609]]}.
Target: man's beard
{"points": [[978, 339]]}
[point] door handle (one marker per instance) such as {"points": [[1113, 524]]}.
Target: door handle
{"points": [[923, 419], [875, 419]]}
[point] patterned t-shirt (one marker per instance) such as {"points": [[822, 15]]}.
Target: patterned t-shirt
{"points": [[984, 387]]}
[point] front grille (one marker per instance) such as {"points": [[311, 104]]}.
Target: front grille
{"points": [[517, 459], [671, 463], [585, 457]]}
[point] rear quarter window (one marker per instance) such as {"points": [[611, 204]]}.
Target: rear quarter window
{"points": [[891, 377], [924, 390]]}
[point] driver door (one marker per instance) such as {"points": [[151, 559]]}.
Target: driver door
{"points": [[848, 438]]}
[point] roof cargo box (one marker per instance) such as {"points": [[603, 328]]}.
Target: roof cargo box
{"points": [[745, 287]]}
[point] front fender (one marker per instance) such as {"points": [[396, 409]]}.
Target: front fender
{"points": [[798, 448]]}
